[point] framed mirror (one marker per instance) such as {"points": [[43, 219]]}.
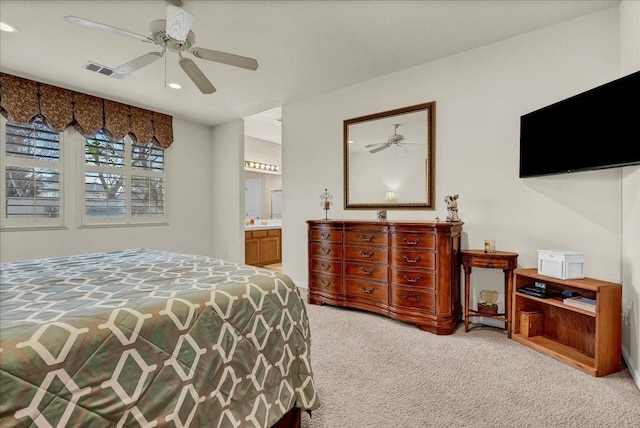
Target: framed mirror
{"points": [[389, 159]]}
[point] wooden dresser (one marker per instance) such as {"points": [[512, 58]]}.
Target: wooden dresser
{"points": [[406, 270]]}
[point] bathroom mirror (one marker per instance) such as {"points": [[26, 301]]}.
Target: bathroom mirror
{"points": [[389, 159]]}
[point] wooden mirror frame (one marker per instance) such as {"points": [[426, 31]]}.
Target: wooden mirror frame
{"points": [[429, 183]]}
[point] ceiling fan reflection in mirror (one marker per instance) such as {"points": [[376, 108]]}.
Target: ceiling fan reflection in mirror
{"points": [[396, 140], [172, 34]]}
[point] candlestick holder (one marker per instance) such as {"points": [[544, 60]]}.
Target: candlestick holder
{"points": [[325, 202]]}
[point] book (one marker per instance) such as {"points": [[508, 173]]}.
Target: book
{"points": [[581, 303]]}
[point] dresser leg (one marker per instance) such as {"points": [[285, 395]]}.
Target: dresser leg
{"points": [[312, 300]]}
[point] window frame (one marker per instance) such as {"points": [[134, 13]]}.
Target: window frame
{"points": [[30, 222], [128, 171]]}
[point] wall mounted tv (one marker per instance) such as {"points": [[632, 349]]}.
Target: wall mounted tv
{"points": [[596, 129]]}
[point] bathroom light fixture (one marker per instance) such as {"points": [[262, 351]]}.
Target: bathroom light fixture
{"points": [[262, 166]]}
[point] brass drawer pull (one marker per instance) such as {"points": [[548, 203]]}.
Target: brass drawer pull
{"points": [[411, 261], [414, 280], [325, 267], [367, 255], [490, 264], [367, 290], [369, 239], [325, 251], [325, 283], [367, 272], [411, 242], [409, 296], [325, 235]]}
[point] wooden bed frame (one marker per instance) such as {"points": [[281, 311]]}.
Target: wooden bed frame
{"points": [[291, 419]]}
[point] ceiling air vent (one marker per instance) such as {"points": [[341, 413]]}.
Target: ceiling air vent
{"points": [[103, 69]]}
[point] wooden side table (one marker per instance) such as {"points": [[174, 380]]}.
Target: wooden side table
{"points": [[499, 260]]}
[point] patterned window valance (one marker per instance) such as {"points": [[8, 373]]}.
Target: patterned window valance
{"points": [[21, 100]]}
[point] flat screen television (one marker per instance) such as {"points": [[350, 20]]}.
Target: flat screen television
{"points": [[596, 129]]}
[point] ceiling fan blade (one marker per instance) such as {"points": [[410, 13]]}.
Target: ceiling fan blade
{"points": [[225, 58], [179, 22], [196, 76], [386, 146], [107, 28], [141, 61], [375, 145]]}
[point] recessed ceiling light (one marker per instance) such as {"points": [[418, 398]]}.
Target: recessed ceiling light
{"points": [[6, 27], [174, 85]]}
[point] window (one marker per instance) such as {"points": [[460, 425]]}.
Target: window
{"points": [[119, 182], [31, 184], [123, 181]]}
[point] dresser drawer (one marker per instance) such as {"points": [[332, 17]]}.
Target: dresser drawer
{"points": [[406, 258], [408, 278], [355, 237], [369, 272], [414, 240], [326, 266], [367, 254], [321, 249], [367, 289], [489, 263], [325, 235], [414, 299], [326, 283]]}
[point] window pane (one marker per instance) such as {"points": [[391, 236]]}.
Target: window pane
{"points": [[101, 151], [147, 157], [104, 195], [32, 192], [35, 141], [147, 196]]}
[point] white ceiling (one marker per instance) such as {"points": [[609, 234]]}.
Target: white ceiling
{"points": [[303, 48]]}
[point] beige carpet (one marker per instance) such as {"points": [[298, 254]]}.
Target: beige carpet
{"points": [[373, 372]]}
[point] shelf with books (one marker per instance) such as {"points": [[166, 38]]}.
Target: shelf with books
{"points": [[581, 303], [558, 302], [587, 338]]}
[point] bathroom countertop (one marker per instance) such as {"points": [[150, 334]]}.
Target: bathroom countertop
{"points": [[262, 226]]}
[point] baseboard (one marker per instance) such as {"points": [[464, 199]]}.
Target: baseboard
{"points": [[635, 374], [300, 284]]}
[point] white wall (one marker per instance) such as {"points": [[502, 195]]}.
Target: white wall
{"points": [[630, 62], [188, 199], [227, 171]]}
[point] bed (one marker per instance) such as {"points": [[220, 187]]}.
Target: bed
{"points": [[150, 338]]}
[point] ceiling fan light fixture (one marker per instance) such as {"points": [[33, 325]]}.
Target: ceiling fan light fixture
{"points": [[174, 85], [174, 35]]}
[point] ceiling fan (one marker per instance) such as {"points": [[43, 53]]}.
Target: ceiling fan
{"points": [[173, 34], [394, 140]]}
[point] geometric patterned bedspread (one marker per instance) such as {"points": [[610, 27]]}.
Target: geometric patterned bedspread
{"points": [[149, 338]]}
